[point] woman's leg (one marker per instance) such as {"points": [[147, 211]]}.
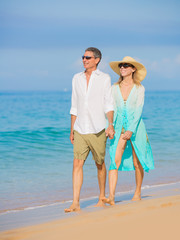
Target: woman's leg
{"points": [[139, 174], [113, 174]]}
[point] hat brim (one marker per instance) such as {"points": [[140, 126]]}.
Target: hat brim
{"points": [[140, 69]]}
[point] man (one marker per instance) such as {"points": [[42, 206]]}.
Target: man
{"points": [[91, 101]]}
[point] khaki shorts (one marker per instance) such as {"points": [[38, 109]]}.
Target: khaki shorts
{"points": [[84, 143]]}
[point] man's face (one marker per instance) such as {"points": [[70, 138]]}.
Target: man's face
{"points": [[90, 63]]}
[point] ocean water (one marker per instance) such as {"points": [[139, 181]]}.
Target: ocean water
{"points": [[36, 155]]}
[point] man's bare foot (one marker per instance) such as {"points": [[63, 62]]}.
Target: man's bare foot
{"points": [[72, 208], [136, 197], [100, 203], [109, 201]]}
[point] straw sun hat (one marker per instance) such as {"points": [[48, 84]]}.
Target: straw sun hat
{"points": [[140, 69]]}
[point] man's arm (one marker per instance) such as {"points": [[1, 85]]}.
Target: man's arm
{"points": [[109, 108], [73, 119], [110, 130], [73, 110]]}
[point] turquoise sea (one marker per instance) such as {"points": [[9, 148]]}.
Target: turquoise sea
{"points": [[36, 155]]}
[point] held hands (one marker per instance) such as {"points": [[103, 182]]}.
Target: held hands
{"points": [[110, 132], [127, 135]]}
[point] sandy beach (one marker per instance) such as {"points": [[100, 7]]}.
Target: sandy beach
{"points": [[155, 218]]}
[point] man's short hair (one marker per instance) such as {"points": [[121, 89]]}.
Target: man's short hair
{"points": [[96, 52]]}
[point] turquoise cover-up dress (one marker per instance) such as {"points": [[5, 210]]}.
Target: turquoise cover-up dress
{"points": [[128, 116]]}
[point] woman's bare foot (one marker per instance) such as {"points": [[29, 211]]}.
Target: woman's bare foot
{"points": [[72, 208], [136, 197], [100, 203], [109, 201]]}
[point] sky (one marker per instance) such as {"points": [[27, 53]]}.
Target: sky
{"points": [[42, 41]]}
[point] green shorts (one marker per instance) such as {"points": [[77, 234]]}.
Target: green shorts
{"points": [[84, 143]]}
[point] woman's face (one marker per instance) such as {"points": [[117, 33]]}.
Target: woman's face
{"points": [[126, 70]]}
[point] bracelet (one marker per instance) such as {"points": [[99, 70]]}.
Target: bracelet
{"points": [[111, 124]]}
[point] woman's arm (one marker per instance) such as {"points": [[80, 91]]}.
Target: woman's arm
{"points": [[137, 114], [138, 110]]}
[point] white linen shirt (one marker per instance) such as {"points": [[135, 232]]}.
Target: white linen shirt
{"points": [[90, 104]]}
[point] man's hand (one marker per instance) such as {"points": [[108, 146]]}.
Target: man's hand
{"points": [[72, 137], [127, 135], [110, 132]]}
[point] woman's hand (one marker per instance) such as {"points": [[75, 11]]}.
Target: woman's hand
{"points": [[127, 135]]}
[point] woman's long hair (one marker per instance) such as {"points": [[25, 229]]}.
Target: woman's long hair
{"points": [[134, 77]]}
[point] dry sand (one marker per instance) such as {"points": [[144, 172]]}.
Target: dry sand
{"points": [[146, 219]]}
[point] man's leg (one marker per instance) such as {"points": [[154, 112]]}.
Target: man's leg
{"points": [[97, 145], [81, 151], [101, 170], [77, 184]]}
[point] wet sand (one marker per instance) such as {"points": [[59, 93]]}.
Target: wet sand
{"points": [[155, 218]]}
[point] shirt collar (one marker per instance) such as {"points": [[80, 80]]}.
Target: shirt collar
{"points": [[94, 72], [97, 71]]}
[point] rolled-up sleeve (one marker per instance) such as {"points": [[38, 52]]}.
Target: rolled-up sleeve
{"points": [[73, 110], [108, 99]]}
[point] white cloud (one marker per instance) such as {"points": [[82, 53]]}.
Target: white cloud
{"points": [[7, 74], [104, 64], [154, 66], [165, 67], [41, 73], [77, 63], [177, 60]]}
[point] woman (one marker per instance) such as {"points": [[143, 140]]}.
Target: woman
{"points": [[130, 148]]}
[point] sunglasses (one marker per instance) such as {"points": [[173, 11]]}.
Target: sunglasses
{"points": [[86, 57], [125, 65]]}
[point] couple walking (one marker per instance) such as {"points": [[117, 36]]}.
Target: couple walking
{"points": [[94, 100]]}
